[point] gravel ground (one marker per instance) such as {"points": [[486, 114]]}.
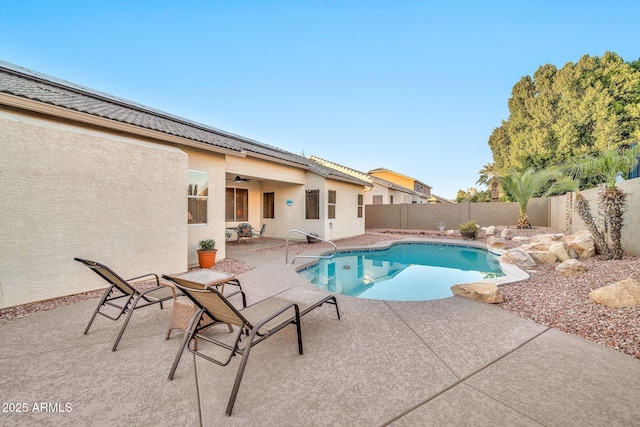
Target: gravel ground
{"points": [[546, 298]]}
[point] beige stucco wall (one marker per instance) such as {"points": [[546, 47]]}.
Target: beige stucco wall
{"points": [[71, 192], [214, 164], [346, 223], [631, 217]]}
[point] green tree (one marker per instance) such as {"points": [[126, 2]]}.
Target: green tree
{"points": [[522, 187], [489, 176], [584, 108]]}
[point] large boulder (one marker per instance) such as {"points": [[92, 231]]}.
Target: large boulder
{"points": [[582, 242], [546, 239], [485, 292], [496, 242], [625, 293], [518, 257], [563, 251], [543, 257], [490, 230], [507, 233], [570, 267]]}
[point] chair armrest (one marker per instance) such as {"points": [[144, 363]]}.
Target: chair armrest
{"points": [[146, 275]]}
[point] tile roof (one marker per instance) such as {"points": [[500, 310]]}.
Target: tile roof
{"points": [[25, 83]]}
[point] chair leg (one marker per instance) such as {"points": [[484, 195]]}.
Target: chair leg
{"points": [[95, 313], [195, 320], [335, 302], [130, 309], [243, 364]]}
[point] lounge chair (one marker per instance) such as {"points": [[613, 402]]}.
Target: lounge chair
{"points": [[123, 297], [256, 322], [260, 235]]}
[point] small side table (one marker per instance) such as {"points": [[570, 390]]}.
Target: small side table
{"points": [[183, 308]]}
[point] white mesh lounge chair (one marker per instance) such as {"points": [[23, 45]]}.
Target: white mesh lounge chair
{"points": [[255, 323], [122, 297]]}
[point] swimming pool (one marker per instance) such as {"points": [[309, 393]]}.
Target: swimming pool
{"points": [[403, 271]]}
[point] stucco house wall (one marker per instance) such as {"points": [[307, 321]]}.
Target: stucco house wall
{"points": [[69, 191], [86, 174], [214, 164]]}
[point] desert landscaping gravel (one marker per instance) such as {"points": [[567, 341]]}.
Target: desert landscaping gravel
{"points": [[560, 302]]}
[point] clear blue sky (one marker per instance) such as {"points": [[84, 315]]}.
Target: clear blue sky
{"points": [[413, 86]]}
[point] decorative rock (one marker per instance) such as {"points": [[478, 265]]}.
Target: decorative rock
{"points": [[490, 231], [518, 257], [496, 242], [507, 233], [451, 232], [563, 251], [547, 238], [543, 257], [518, 238], [571, 266], [582, 242], [485, 292], [625, 293]]}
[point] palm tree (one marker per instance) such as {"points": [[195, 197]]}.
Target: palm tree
{"points": [[489, 176], [607, 167], [522, 187]]}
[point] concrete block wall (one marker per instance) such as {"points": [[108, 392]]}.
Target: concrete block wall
{"points": [[631, 229], [428, 216]]}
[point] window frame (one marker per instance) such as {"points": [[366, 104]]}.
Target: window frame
{"points": [[315, 204], [332, 197], [234, 204], [197, 203], [268, 205]]}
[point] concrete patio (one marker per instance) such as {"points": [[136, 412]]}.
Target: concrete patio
{"points": [[446, 362]]}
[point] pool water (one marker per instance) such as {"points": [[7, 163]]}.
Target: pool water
{"points": [[404, 271]]}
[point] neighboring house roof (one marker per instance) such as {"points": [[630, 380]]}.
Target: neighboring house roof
{"points": [[34, 86], [399, 174], [362, 175], [374, 179]]}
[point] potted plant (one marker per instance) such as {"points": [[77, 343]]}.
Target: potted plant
{"points": [[207, 253], [311, 238], [469, 230]]}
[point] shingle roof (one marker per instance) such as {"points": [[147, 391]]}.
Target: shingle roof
{"points": [[24, 83]]}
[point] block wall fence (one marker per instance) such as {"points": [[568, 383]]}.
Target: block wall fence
{"points": [[550, 212]]}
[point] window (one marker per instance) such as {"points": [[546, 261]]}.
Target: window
{"points": [[312, 204], [331, 204], [360, 205], [390, 200], [197, 197], [237, 205], [268, 209]]}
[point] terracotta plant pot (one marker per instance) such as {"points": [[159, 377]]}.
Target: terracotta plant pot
{"points": [[207, 259], [468, 235]]}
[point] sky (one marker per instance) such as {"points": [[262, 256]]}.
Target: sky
{"points": [[412, 86]]}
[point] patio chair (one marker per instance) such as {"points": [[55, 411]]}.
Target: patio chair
{"points": [[256, 322], [260, 235], [123, 297], [244, 232]]}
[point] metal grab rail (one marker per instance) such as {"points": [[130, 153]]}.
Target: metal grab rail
{"points": [[286, 259]]}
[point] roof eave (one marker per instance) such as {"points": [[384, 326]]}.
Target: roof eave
{"points": [[77, 116]]}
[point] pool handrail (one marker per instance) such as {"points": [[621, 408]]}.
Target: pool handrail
{"points": [[286, 256]]}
